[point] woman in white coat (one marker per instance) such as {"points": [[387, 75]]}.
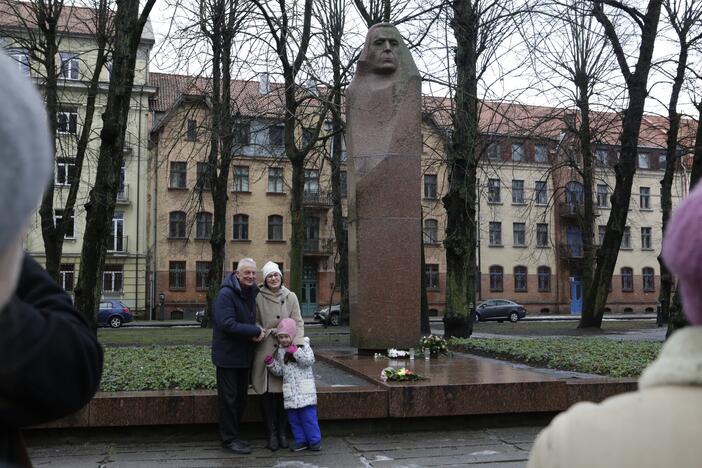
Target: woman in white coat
{"points": [[273, 303]]}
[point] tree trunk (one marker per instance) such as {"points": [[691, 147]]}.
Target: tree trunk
{"points": [[101, 203], [696, 172], [667, 181], [460, 199], [595, 299]]}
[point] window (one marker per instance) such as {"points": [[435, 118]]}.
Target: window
{"points": [[430, 186], [648, 279], [431, 231], [241, 178], [67, 276], [494, 152], [518, 152], [601, 229], [494, 190], [241, 227], [176, 225], [540, 194], [307, 136], [69, 224], [662, 161], [311, 181], [203, 177], [431, 276], [601, 157], [191, 130], [518, 192], [626, 238], [117, 241], [176, 275], [178, 176], [343, 183], [67, 120], [544, 274], [70, 67], [65, 171], [496, 278], [519, 234], [242, 133], [202, 271], [627, 279], [542, 235], [275, 180], [22, 59], [646, 238], [495, 233], [203, 226], [540, 153], [275, 227], [520, 278], [602, 196], [644, 162], [112, 278], [644, 198], [275, 135]]}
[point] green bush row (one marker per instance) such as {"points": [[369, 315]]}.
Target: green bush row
{"points": [[600, 356]]}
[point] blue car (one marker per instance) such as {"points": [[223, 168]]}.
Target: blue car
{"points": [[114, 314]]}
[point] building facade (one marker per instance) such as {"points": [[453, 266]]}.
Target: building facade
{"points": [[124, 277]]}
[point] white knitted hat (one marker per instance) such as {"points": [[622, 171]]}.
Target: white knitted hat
{"points": [[269, 268], [25, 150]]}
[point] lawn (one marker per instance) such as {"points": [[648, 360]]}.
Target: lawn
{"points": [[527, 328]]}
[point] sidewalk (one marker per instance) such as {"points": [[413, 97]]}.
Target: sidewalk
{"points": [[197, 446]]}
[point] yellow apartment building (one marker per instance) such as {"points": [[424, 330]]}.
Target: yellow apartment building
{"points": [[124, 277]]}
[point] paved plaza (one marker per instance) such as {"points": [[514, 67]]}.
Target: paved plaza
{"points": [[198, 447]]}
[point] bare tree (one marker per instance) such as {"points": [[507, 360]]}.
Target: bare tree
{"points": [[38, 30], [685, 18], [128, 25], [479, 28], [636, 81]]}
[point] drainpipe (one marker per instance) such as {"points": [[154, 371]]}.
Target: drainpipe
{"points": [[138, 198]]}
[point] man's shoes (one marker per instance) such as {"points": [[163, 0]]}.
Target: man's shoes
{"points": [[238, 447], [316, 447], [245, 442], [295, 447], [272, 442]]}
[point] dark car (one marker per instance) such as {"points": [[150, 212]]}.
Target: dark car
{"points": [[500, 310], [329, 317], [114, 314]]}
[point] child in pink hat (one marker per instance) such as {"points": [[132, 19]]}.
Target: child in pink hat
{"points": [[294, 364]]}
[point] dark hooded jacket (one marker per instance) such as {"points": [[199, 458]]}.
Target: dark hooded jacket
{"points": [[233, 325], [50, 360]]}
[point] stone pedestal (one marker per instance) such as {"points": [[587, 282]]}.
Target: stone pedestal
{"points": [[384, 143]]}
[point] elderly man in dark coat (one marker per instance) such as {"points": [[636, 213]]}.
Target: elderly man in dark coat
{"points": [[234, 337]]}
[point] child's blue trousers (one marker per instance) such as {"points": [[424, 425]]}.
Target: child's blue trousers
{"points": [[304, 425]]}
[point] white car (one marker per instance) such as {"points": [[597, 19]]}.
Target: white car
{"points": [[328, 317]]}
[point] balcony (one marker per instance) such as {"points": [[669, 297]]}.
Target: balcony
{"points": [[123, 195], [117, 245], [571, 251], [319, 247], [321, 200], [571, 210]]}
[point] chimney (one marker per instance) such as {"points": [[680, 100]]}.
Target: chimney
{"points": [[264, 83]]}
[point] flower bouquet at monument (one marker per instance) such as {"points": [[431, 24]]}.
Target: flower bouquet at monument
{"points": [[433, 344], [390, 374]]}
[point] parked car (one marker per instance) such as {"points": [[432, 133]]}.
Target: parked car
{"points": [[200, 315], [328, 317], [114, 314], [500, 310]]}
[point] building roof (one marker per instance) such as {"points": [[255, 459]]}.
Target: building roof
{"points": [[73, 20]]}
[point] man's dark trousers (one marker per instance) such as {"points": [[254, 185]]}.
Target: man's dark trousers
{"points": [[232, 387]]}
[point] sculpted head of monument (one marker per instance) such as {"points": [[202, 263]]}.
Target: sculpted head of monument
{"points": [[384, 52]]}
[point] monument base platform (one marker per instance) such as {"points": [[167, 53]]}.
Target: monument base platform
{"points": [[350, 388]]}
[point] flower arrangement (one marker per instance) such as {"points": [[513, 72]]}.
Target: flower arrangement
{"points": [[390, 374], [433, 344], [392, 353]]}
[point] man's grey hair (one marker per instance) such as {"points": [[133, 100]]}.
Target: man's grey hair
{"points": [[246, 262]]}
